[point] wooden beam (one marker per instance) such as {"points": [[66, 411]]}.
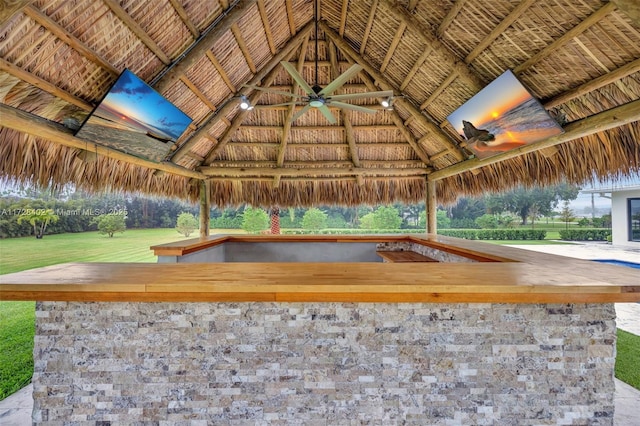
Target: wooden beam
{"points": [[228, 106], [69, 38], [228, 172], [343, 17], [205, 207], [10, 8], [612, 118], [342, 164], [198, 93], [415, 68], [394, 45], [243, 47], [499, 29], [40, 83], [267, 27], [292, 25], [631, 8], [182, 13], [450, 59], [596, 83], [202, 45], [221, 71], [317, 145], [439, 90], [566, 37], [428, 123], [323, 128], [451, 15], [284, 139], [367, 30], [32, 124], [137, 30], [432, 208]]}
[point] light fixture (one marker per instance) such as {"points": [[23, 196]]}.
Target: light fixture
{"points": [[245, 104], [387, 102]]}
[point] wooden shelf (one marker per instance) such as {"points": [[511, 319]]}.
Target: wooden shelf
{"points": [[527, 277]]}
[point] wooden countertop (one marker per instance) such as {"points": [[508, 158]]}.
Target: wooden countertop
{"points": [[528, 277]]}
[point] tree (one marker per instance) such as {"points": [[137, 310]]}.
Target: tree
{"points": [[386, 217], [566, 214], [186, 223], [366, 221], [38, 216], [111, 223], [442, 220], [521, 200], [314, 219], [255, 220]]}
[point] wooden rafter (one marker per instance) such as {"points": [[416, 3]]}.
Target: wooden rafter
{"points": [[499, 29], [319, 145], [433, 96], [203, 98], [423, 57], [230, 172], [40, 83], [631, 8], [182, 13], [344, 164], [292, 25], [243, 47], [322, 128], [137, 30], [367, 30], [394, 45], [223, 74], [348, 128], [601, 122], [229, 106], [450, 59], [267, 26], [343, 16], [566, 37], [613, 76], [10, 8], [451, 15], [68, 38], [428, 123], [34, 125], [203, 44], [284, 138]]}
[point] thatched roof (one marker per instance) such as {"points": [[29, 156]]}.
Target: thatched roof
{"points": [[581, 59]]}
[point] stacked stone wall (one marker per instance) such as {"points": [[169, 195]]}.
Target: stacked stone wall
{"points": [[323, 364]]}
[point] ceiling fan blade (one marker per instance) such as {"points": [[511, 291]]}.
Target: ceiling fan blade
{"points": [[297, 77], [327, 114], [284, 104], [275, 92], [299, 113], [341, 80], [352, 107], [346, 97]]}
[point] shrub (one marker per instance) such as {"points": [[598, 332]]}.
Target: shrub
{"points": [[111, 223], [386, 217], [495, 234], [228, 220], [585, 234], [255, 220], [487, 221], [366, 221], [186, 223], [314, 219]]}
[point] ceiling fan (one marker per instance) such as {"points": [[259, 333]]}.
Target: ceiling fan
{"points": [[321, 98]]}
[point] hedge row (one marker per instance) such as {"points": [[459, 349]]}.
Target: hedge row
{"points": [[495, 234], [593, 234]]}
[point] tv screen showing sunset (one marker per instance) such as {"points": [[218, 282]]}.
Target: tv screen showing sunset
{"points": [[501, 117], [135, 119]]}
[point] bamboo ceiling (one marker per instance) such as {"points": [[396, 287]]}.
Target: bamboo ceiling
{"points": [[58, 58]]}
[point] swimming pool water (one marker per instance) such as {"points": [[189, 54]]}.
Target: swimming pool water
{"points": [[619, 262]]}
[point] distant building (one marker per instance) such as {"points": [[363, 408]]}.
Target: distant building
{"points": [[625, 214]]}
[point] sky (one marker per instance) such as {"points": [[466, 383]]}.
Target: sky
{"points": [[584, 200]]}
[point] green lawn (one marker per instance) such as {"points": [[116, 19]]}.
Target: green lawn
{"points": [[628, 358]]}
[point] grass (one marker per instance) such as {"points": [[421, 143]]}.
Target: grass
{"points": [[526, 242], [628, 358], [17, 319]]}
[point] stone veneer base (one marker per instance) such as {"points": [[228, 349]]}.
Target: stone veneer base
{"points": [[323, 363]]}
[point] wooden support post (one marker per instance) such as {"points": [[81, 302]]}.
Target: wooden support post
{"points": [[432, 206], [205, 208]]}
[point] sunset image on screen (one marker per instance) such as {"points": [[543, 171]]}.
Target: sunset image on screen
{"points": [[502, 116]]}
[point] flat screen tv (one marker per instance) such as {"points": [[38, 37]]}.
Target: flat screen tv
{"points": [[134, 118], [501, 117]]}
